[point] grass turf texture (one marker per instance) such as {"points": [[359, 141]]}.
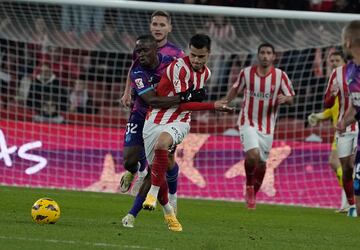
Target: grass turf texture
{"points": [[93, 221]]}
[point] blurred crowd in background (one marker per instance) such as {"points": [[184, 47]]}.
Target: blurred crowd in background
{"points": [[48, 73]]}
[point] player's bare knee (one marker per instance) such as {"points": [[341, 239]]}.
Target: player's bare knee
{"points": [[164, 141], [253, 156]]}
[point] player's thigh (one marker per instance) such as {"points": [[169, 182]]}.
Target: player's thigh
{"points": [[346, 144], [249, 138], [133, 132], [177, 131], [151, 133], [265, 143], [334, 159]]}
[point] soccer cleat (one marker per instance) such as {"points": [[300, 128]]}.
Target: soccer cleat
{"points": [[173, 223], [137, 185], [343, 210], [126, 181], [128, 221], [149, 203], [250, 197], [352, 211]]}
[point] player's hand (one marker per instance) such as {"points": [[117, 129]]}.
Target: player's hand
{"points": [[126, 100], [313, 119], [340, 127], [193, 95], [281, 99], [222, 105]]}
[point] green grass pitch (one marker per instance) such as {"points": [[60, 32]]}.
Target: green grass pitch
{"points": [[92, 221]]}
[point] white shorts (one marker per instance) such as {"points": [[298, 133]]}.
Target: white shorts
{"points": [[152, 131], [346, 143], [251, 138]]}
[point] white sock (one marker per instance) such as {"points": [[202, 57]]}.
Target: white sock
{"points": [[168, 209], [143, 173], [344, 202], [172, 198], [154, 190]]}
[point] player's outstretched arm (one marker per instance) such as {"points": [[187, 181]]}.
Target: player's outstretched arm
{"points": [[221, 105], [156, 101], [126, 98]]}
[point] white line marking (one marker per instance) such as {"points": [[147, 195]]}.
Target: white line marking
{"points": [[87, 243]]}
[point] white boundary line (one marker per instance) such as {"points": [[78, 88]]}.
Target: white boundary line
{"points": [[73, 242]]}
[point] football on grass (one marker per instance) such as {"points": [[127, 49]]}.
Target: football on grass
{"points": [[45, 211]]}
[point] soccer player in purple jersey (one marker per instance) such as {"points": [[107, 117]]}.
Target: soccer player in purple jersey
{"points": [[160, 26], [351, 45], [145, 74]]}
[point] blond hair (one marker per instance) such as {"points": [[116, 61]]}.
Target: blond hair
{"points": [[351, 31]]}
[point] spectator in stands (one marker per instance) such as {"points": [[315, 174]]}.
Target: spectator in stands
{"points": [[70, 18], [23, 90], [347, 6], [80, 101], [39, 45], [92, 19], [46, 96], [5, 79]]}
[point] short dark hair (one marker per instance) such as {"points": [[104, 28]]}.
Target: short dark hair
{"points": [[266, 45], [161, 13], [200, 41], [337, 53], [147, 38]]}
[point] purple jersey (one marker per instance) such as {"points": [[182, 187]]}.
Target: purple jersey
{"points": [[144, 80], [353, 82]]}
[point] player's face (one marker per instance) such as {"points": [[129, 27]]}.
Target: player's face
{"points": [[198, 57], [336, 61], [160, 28], [266, 57], [146, 53]]}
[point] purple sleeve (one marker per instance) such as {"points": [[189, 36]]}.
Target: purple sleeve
{"points": [[139, 83]]}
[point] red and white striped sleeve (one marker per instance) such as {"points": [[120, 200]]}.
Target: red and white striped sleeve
{"points": [[286, 85], [329, 98], [240, 82], [178, 73]]}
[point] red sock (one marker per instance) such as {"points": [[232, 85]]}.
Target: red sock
{"points": [[259, 177], [249, 170], [163, 194], [159, 167], [349, 191]]}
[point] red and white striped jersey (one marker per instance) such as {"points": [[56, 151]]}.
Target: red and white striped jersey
{"points": [[338, 79], [178, 78], [260, 107]]}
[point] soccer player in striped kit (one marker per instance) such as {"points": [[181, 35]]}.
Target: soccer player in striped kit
{"points": [[336, 60], [265, 88], [166, 127], [346, 141], [351, 46]]}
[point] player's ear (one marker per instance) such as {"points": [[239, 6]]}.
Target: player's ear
{"points": [[170, 27]]}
